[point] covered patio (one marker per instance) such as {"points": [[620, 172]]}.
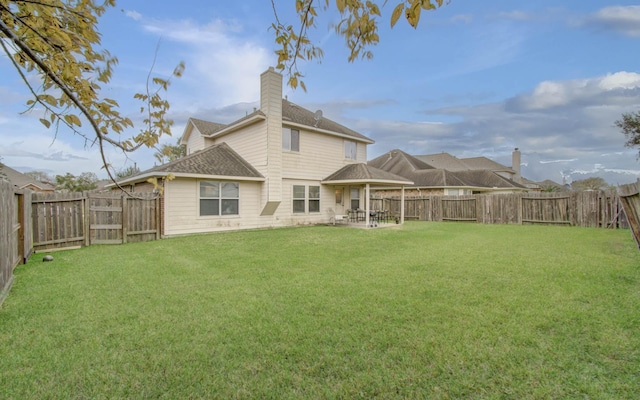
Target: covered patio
{"points": [[354, 181]]}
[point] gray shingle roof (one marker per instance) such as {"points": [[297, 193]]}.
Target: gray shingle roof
{"points": [[486, 178], [206, 128], [424, 175], [365, 173], [398, 162], [294, 113], [21, 180], [453, 163], [484, 163], [436, 178], [216, 160], [291, 113], [443, 161]]}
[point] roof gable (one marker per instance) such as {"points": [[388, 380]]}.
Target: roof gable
{"points": [[206, 128], [218, 160], [398, 162], [362, 172], [292, 114]]}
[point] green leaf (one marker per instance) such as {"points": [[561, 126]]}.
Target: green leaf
{"points": [[45, 122]]}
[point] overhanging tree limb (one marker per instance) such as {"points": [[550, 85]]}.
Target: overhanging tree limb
{"points": [[63, 87]]}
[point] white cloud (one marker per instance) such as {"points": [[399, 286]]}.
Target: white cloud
{"points": [[463, 18], [134, 15], [517, 15], [593, 91], [223, 66], [621, 19]]}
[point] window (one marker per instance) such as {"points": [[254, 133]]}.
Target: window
{"points": [[290, 139], [298, 199], [219, 198], [314, 199], [355, 198], [338, 196], [304, 201], [350, 150]]}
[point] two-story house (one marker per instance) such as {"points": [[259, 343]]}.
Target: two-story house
{"points": [[281, 165]]}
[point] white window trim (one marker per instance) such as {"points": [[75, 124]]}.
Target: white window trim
{"points": [[286, 144], [219, 198], [350, 150], [307, 199]]}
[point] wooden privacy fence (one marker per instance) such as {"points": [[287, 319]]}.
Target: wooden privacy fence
{"points": [[15, 232], [62, 220], [630, 199], [585, 209]]}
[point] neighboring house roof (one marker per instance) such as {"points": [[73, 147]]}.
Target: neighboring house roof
{"points": [[485, 163], [363, 173], [452, 163], [436, 178], [22, 181], [488, 179], [218, 160], [399, 163], [425, 175], [443, 161], [292, 114]]}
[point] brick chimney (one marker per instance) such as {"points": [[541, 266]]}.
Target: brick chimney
{"points": [[515, 165]]}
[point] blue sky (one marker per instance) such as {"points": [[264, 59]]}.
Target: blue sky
{"points": [[474, 79]]}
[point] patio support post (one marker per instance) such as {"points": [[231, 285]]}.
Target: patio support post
{"points": [[402, 206], [367, 203]]}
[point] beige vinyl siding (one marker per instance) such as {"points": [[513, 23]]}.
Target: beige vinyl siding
{"points": [[320, 155], [182, 210], [250, 143], [285, 215], [195, 140], [362, 152]]}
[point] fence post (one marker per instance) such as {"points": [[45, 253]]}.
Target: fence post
{"points": [[519, 211], [86, 205], [125, 217], [158, 218]]}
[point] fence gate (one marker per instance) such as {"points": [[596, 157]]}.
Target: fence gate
{"points": [[76, 219], [630, 199], [104, 218]]}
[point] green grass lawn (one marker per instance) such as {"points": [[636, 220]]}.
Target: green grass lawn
{"points": [[431, 310]]}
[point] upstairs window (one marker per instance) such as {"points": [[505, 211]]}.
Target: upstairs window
{"points": [[350, 150], [290, 139]]}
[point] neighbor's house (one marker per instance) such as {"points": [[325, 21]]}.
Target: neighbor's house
{"points": [[281, 165], [444, 174], [22, 181]]}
